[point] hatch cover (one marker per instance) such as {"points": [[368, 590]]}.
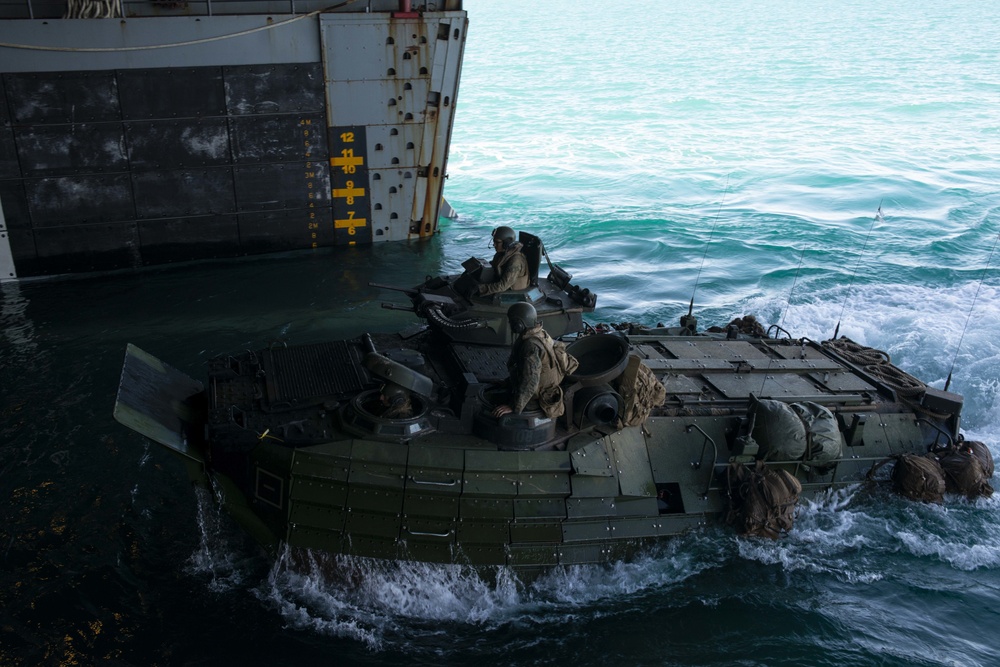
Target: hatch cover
{"points": [[296, 374], [487, 363]]}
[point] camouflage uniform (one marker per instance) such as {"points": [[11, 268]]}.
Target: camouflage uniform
{"points": [[403, 410], [512, 267], [534, 372]]}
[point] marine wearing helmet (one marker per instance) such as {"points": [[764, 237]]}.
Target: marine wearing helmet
{"points": [[537, 364], [510, 266]]}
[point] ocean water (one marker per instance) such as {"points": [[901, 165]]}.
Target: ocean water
{"points": [[817, 164]]}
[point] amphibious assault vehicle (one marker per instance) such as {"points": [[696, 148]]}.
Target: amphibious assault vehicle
{"points": [[664, 429]]}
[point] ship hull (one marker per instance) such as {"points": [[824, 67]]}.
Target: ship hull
{"points": [[146, 140]]}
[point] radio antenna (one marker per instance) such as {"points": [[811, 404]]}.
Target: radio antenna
{"points": [[961, 338], [878, 216], [788, 305], [708, 244], [795, 280]]}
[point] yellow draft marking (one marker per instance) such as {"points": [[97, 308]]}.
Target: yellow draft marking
{"points": [[348, 163], [350, 192], [350, 223]]}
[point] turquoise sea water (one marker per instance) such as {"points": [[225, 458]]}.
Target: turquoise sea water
{"points": [[732, 153]]}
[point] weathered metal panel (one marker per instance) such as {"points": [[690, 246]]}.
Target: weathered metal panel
{"points": [[306, 537], [161, 93], [579, 554], [361, 524], [486, 508], [776, 385], [733, 351], [8, 153], [593, 487], [636, 507], [196, 237], [392, 203], [380, 464], [592, 460], [315, 515], [543, 484], [535, 530], [481, 554], [204, 191], [268, 187], [55, 150], [320, 491], [361, 51], [633, 527], [15, 204], [373, 546], [79, 199], [371, 49], [96, 247], [394, 146], [275, 88], [552, 461], [842, 381], [774, 365], [4, 109], [577, 508], [535, 554], [684, 456], [490, 483], [249, 39], [628, 448], [491, 461], [447, 47], [383, 501], [483, 531], [585, 530], [63, 97], [899, 428], [278, 138], [285, 230], [530, 508], [430, 504], [178, 144], [676, 384], [425, 551]]}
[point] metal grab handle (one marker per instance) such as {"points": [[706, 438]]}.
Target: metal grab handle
{"points": [[951, 442], [425, 534], [715, 456], [430, 483]]}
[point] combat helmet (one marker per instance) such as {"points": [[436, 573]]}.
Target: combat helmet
{"points": [[522, 316], [505, 235]]}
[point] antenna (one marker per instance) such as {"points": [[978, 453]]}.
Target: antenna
{"points": [[788, 305], [708, 244], [878, 216], [961, 338]]}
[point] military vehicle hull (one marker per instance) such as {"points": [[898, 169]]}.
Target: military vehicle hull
{"points": [[295, 441]]}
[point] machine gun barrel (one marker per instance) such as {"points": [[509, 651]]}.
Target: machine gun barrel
{"points": [[404, 290], [396, 306]]}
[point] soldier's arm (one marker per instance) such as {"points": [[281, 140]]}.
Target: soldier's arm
{"points": [[508, 275], [531, 371]]}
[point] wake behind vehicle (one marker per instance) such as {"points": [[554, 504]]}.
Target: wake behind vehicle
{"points": [[664, 429]]}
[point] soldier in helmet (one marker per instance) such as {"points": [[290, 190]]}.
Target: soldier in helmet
{"points": [[510, 266], [537, 364], [395, 402]]}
